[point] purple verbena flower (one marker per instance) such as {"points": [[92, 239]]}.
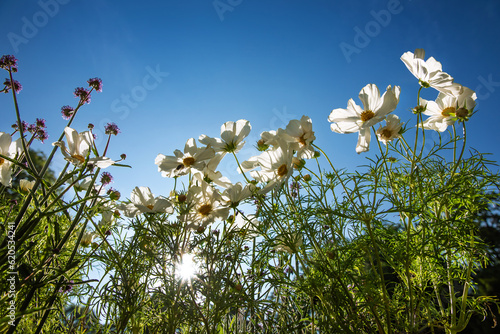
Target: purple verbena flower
{"points": [[24, 126], [95, 83], [106, 178], [42, 135], [32, 128], [67, 287], [67, 112], [83, 94], [40, 123], [111, 129], [15, 85], [8, 62]]}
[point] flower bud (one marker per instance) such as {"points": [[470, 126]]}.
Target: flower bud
{"points": [[462, 114], [298, 163], [419, 109], [261, 146]]}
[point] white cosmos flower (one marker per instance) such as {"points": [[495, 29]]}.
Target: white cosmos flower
{"points": [[210, 175], [143, 201], [289, 243], [391, 129], [276, 166], [87, 239], [78, 148], [9, 149], [248, 223], [205, 206], [232, 135], [299, 135], [357, 119], [442, 112], [26, 185], [429, 72], [193, 158], [236, 193]]}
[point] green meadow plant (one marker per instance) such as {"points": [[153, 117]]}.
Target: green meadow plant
{"points": [[296, 246]]}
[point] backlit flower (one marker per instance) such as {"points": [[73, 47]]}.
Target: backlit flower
{"points": [[193, 158], [83, 94], [205, 207], [429, 72], [276, 166], [299, 135], [67, 112], [143, 201], [211, 175], [232, 135], [357, 119], [95, 83], [111, 129], [391, 129], [443, 111], [77, 149], [8, 62], [9, 149], [15, 85], [236, 193]]}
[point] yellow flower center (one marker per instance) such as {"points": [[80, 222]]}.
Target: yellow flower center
{"points": [[150, 206], [188, 161], [2, 160], [367, 115], [302, 141], [78, 157], [386, 134], [282, 170], [448, 111], [205, 209]]}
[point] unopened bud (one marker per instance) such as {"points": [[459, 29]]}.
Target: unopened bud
{"points": [[462, 113]]}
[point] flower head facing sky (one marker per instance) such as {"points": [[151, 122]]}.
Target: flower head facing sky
{"points": [[143, 201], [429, 72], [391, 129], [193, 158], [205, 206], [78, 147], [67, 112], [111, 129], [232, 135], [443, 111], [357, 119], [15, 85], [83, 94], [8, 62], [300, 136], [95, 83]]}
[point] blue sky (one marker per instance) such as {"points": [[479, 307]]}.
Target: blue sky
{"points": [[178, 69]]}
